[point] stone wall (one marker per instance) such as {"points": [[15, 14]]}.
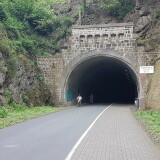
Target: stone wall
{"points": [[109, 36], [112, 40]]}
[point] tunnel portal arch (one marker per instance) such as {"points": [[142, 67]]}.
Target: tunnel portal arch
{"points": [[79, 70], [114, 41]]}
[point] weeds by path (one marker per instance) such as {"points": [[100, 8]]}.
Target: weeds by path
{"points": [[16, 113], [151, 121]]}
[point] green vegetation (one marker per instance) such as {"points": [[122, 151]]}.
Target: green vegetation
{"points": [[142, 42], [31, 28], [117, 8], [152, 120], [158, 15], [16, 113], [7, 95]]}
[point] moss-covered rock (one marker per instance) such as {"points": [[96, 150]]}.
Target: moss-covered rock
{"points": [[33, 97], [38, 97], [153, 100]]}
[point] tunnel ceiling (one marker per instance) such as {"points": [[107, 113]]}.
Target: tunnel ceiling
{"points": [[108, 79]]}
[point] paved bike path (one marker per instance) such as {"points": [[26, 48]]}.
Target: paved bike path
{"points": [[116, 135]]}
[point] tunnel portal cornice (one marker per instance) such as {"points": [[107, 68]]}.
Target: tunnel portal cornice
{"points": [[103, 25], [86, 42]]}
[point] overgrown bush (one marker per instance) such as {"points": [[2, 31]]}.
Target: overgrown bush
{"points": [[12, 64], [3, 112], [30, 27], [158, 15], [21, 9], [18, 107], [7, 95], [13, 27], [118, 8], [3, 15], [28, 44], [43, 21]]}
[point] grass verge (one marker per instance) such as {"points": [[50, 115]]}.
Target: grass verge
{"points": [[16, 113], [151, 121]]}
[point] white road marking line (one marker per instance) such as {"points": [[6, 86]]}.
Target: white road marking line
{"points": [[11, 146], [84, 134]]}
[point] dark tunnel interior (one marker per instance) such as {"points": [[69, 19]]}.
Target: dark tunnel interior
{"points": [[109, 80]]}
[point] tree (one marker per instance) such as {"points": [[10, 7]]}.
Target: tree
{"points": [[137, 3], [117, 8]]}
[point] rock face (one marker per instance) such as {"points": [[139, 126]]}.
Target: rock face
{"points": [[25, 86], [153, 100], [24, 79], [2, 79], [142, 18], [142, 23], [2, 72]]}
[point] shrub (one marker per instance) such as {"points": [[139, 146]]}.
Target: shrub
{"points": [[8, 96], [29, 45], [4, 47], [67, 22], [18, 107], [158, 15], [41, 79], [118, 8], [43, 21], [21, 9], [3, 112], [5, 69], [30, 27], [25, 98], [13, 27], [3, 15], [12, 64], [110, 4]]}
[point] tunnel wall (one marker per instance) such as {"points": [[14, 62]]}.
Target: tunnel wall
{"points": [[110, 40], [57, 70], [110, 54]]}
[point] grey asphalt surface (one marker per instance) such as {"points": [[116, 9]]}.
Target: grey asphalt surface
{"points": [[49, 137]]}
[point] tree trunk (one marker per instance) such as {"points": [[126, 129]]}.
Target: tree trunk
{"points": [[138, 3]]}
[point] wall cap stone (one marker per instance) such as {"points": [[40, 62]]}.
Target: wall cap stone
{"points": [[103, 25]]}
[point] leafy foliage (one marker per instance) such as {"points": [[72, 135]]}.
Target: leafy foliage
{"points": [[152, 118], [3, 113], [30, 27], [118, 8], [7, 95], [3, 15], [158, 15]]}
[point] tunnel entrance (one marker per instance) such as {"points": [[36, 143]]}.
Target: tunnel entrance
{"points": [[108, 79]]}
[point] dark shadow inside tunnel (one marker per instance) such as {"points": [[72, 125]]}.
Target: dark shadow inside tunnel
{"points": [[109, 80]]}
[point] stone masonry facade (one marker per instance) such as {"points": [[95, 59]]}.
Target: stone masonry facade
{"points": [[113, 36], [87, 41]]}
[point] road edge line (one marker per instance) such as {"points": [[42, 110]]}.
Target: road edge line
{"points": [[84, 134]]}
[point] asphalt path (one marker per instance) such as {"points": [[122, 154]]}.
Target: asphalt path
{"points": [[49, 137]]}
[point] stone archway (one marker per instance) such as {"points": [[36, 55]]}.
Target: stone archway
{"points": [[73, 73], [113, 41]]}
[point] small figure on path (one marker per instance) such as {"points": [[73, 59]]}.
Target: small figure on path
{"points": [[79, 100], [91, 98]]}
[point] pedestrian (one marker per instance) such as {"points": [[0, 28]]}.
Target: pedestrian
{"points": [[91, 98], [79, 100]]}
